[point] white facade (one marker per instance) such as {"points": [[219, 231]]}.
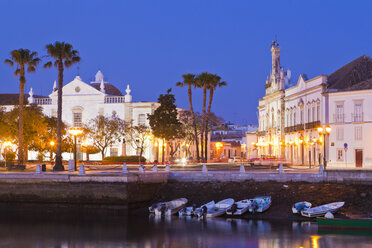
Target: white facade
{"points": [[82, 102], [289, 118], [351, 121]]}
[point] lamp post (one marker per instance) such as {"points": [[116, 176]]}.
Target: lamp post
{"points": [[75, 132], [52, 143], [6, 145], [324, 131]]}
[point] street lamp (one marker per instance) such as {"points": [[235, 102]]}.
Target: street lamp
{"points": [[324, 131], [51, 143], [7, 144], [75, 132]]}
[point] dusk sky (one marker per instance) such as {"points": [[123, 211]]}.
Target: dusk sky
{"points": [[150, 44]]}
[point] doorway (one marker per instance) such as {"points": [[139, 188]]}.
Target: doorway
{"points": [[358, 158]]}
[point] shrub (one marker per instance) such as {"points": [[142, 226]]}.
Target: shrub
{"points": [[123, 159], [9, 156]]}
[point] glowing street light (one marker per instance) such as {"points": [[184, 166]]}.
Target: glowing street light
{"points": [[75, 132], [7, 144], [325, 132], [51, 143]]}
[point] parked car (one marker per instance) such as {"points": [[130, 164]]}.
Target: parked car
{"points": [[234, 159]]}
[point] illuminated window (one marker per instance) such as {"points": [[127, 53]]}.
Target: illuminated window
{"points": [[340, 154], [358, 133]]}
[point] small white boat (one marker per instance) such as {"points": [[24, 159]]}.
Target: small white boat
{"points": [[156, 206], [300, 206], [189, 211], [323, 209], [260, 204], [171, 207], [239, 208], [218, 209], [204, 208]]}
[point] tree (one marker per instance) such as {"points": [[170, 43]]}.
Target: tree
{"points": [[64, 56], [25, 61], [202, 81], [105, 131], [164, 121], [212, 86], [189, 80], [138, 137]]}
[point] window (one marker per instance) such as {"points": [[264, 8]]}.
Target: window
{"points": [[302, 116], [141, 119], [294, 118], [114, 151], [358, 111], [358, 133], [340, 133], [318, 111], [308, 114], [339, 113], [340, 154], [314, 113], [272, 120], [77, 119]]}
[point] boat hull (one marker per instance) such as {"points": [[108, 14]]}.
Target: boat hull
{"points": [[344, 223]]}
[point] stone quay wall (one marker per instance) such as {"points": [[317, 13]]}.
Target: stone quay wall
{"points": [[131, 189]]}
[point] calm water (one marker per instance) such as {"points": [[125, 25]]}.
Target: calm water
{"points": [[35, 226]]}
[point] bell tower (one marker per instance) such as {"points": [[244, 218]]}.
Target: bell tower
{"points": [[275, 55]]}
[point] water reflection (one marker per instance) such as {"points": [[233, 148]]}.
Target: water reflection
{"points": [[117, 229]]}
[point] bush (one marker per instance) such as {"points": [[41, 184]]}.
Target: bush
{"points": [[123, 159], [9, 156]]}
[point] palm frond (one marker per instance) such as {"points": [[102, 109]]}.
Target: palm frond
{"points": [[9, 62], [48, 65]]}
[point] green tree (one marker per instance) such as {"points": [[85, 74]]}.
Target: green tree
{"points": [[138, 137], [164, 121], [26, 61], [63, 56], [202, 81], [189, 81], [212, 85], [105, 131]]}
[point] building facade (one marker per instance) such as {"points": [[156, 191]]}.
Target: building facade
{"points": [[82, 102], [290, 115]]}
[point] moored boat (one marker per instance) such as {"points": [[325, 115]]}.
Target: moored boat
{"points": [[156, 206], [203, 208], [239, 208], [218, 209], [363, 223], [322, 210], [300, 206], [260, 204], [171, 207], [187, 211]]}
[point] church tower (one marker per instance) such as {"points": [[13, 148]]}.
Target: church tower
{"points": [[275, 55]]}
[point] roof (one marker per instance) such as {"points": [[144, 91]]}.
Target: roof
{"points": [[109, 89], [355, 75], [12, 99]]}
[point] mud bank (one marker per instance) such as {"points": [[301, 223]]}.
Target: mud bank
{"points": [[357, 198]]}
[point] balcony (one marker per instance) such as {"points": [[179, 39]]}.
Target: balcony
{"points": [[312, 125], [358, 117], [339, 118], [261, 133]]}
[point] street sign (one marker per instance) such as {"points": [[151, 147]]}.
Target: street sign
{"points": [[345, 145]]}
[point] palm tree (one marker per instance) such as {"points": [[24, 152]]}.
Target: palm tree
{"points": [[202, 81], [23, 58], [189, 80], [64, 56], [212, 86]]}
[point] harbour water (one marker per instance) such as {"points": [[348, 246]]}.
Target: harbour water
{"points": [[44, 227]]}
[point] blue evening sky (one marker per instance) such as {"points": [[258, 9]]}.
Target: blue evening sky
{"points": [[150, 44]]}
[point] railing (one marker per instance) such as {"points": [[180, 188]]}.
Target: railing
{"points": [[261, 133], [312, 125], [43, 101], [357, 117], [114, 99], [338, 118], [300, 127]]}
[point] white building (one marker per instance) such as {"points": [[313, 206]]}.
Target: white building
{"points": [[289, 116], [82, 102]]}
